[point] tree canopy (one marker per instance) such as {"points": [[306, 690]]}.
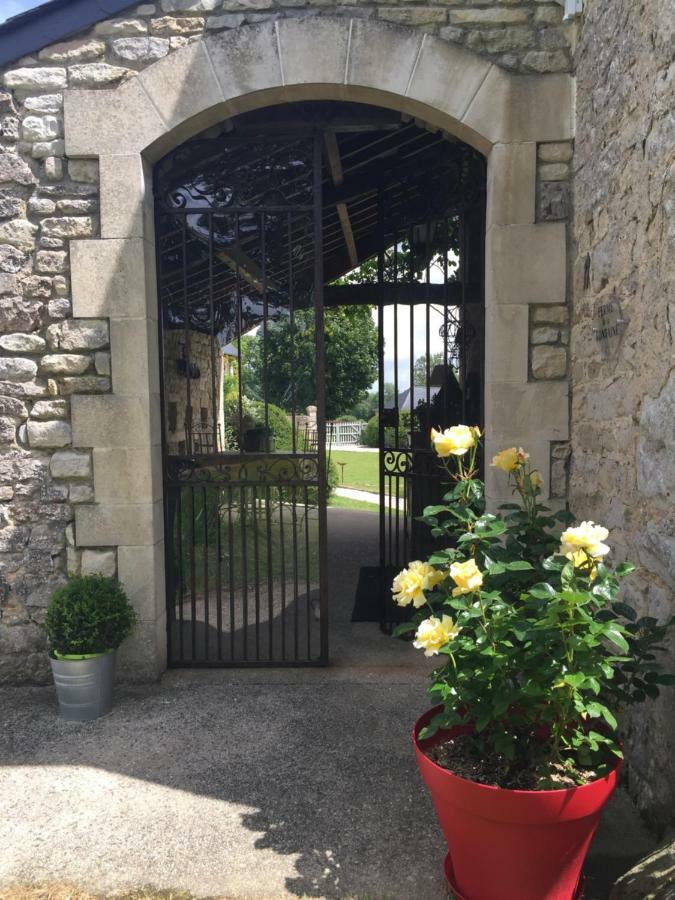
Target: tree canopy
{"points": [[350, 337]]}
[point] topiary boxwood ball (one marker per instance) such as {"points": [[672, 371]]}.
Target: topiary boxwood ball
{"points": [[89, 614]]}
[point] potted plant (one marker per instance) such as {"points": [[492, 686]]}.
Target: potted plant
{"points": [[87, 619], [537, 654]]}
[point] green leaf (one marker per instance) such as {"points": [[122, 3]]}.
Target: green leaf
{"points": [[519, 565], [624, 569], [434, 510], [542, 591], [623, 609], [615, 636]]}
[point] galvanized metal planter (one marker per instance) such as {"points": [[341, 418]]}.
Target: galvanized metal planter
{"points": [[85, 686]]}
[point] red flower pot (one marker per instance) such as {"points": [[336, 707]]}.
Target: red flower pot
{"points": [[511, 845]]}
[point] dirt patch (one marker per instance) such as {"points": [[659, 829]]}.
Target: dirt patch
{"points": [[64, 891], [458, 755]]}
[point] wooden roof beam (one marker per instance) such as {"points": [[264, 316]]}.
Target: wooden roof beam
{"points": [[337, 177]]}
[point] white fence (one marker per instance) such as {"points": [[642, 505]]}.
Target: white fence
{"points": [[344, 433]]}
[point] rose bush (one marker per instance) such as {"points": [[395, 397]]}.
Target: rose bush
{"points": [[538, 652]]}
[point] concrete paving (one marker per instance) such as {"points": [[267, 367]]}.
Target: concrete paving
{"points": [[248, 783]]}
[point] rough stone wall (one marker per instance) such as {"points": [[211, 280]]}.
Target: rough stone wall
{"points": [[47, 201], [623, 408]]}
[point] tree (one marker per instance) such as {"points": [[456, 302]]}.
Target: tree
{"points": [[420, 367], [289, 377]]}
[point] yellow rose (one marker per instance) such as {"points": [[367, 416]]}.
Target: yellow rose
{"points": [[510, 459], [453, 441], [536, 480], [581, 560], [467, 577], [411, 583], [434, 633], [588, 537]]}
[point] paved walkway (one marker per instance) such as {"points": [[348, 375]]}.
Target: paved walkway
{"points": [[368, 497], [247, 784]]}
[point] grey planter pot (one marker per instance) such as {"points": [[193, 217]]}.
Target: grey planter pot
{"points": [[84, 686]]}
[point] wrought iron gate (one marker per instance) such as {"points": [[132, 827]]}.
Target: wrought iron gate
{"points": [[239, 247], [431, 364]]}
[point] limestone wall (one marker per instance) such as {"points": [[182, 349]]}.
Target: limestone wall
{"points": [[623, 408]]}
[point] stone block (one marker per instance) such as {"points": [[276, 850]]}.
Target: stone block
{"points": [[491, 16], [128, 475], [64, 364], [522, 108], [84, 384], [189, 5], [14, 168], [167, 26], [134, 350], [119, 27], [536, 408], [141, 573], [51, 261], [85, 170], [48, 149], [22, 343], [12, 260], [98, 562], [506, 333], [545, 335], [139, 49], [70, 464], [555, 152], [511, 184], [554, 201], [327, 62], [68, 227], [102, 363], [126, 197], [109, 279], [41, 206], [11, 207], [656, 444], [526, 263], [17, 369], [115, 422], [142, 657], [103, 123], [48, 434], [44, 103], [547, 61], [50, 409], [81, 493], [40, 128], [79, 334], [12, 406], [53, 168], [91, 75], [9, 284], [413, 16], [245, 59], [551, 315], [38, 78], [463, 73], [59, 308], [553, 172], [73, 51], [109, 525], [19, 233], [549, 362], [7, 430], [382, 54]]}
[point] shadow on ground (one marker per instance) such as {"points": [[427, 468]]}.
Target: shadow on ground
{"points": [[256, 784]]}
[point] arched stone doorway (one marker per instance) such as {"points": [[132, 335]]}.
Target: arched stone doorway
{"points": [[502, 115], [276, 231]]}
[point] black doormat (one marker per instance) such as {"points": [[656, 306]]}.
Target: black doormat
{"points": [[374, 585]]}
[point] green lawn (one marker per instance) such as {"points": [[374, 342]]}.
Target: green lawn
{"points": [[346, 503], [361, 470]]}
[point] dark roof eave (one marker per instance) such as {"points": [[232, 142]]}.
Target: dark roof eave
{"points": [[50, 23]]}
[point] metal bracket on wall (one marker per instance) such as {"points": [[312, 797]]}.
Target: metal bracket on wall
{"points": [[573, 9]]}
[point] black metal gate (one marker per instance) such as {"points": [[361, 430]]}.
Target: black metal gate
{"points": [[239, 248], [431, 365]]}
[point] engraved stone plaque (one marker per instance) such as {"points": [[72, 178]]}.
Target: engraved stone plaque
{"points": [[608, 326]]}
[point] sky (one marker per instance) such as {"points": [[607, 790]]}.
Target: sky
{"points": [[9, 8]]}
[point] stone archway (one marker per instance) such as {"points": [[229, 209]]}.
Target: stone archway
{"points": [[503, 115]]}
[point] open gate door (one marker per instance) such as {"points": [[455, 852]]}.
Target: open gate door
{"points": [[431, 327], [239, 248]]}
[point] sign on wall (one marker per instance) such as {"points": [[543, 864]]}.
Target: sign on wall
{"points": [[608, 326]]}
